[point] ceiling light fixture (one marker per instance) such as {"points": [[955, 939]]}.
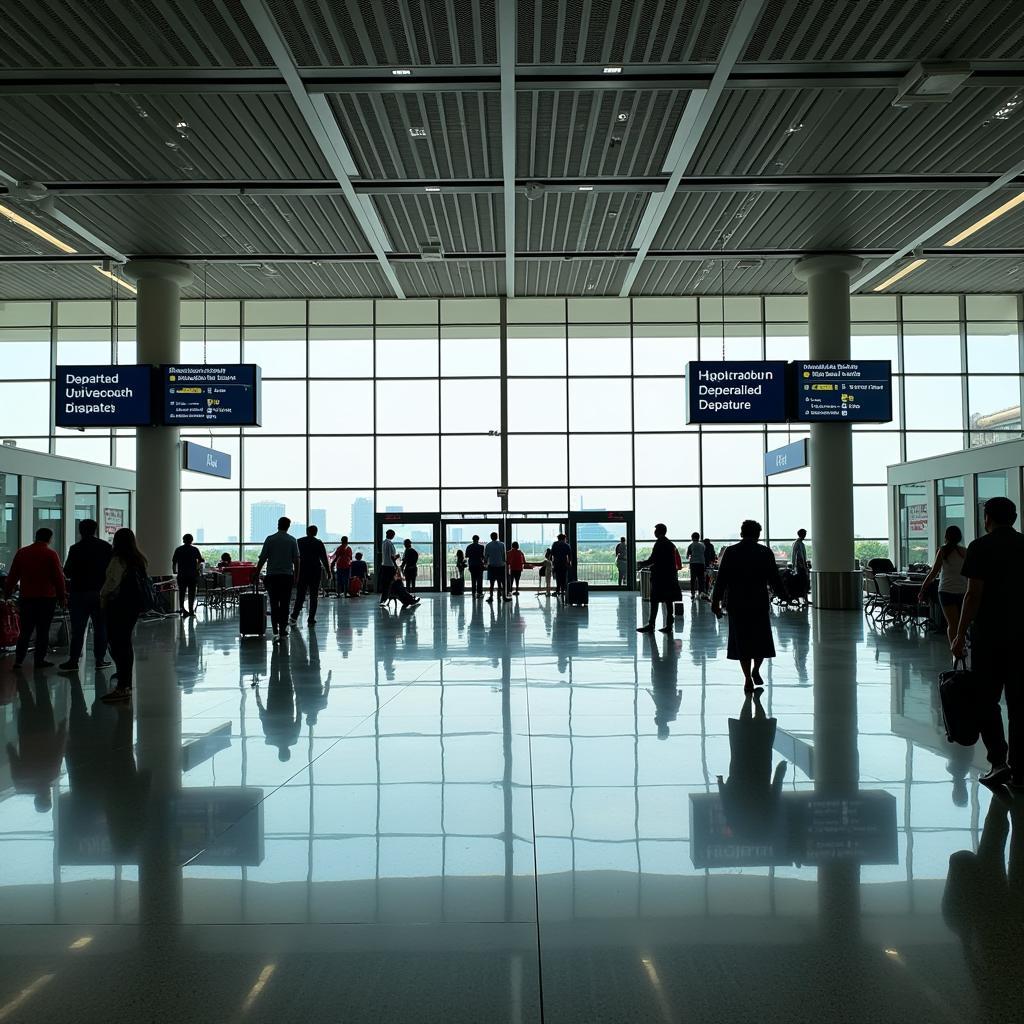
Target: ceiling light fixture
{"points": [[1004, 112], [401, 71], [16, 218], [622, 116], [418, 133], [120, 280], [432, 188], [613, 70], [899, 275], [586, 188], [181, 125], [987, 219], [796, 126], [931, 83]]}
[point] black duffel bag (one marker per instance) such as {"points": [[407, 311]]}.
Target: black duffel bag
{"points": [[958, 697]]}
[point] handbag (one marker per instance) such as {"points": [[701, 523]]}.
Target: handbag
{"points": [[957, 698]]}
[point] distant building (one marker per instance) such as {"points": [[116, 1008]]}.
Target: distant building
{"points": [[263, 517], [593, 532], [362, 520], [318, 518], [200, 535]]}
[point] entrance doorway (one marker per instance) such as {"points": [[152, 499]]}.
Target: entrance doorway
{"points": [[424, 530], [594, 536]]}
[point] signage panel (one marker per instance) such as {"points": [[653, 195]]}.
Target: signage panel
{"points": [[211, 396], [843, 392], [104, 396], [736, 392], [200, 459], [787, 458]]}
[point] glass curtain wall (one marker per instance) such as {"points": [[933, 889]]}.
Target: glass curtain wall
{"points": [[397, 405]]}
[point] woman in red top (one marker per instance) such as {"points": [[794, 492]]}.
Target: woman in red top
{"points": [[516, 561]]}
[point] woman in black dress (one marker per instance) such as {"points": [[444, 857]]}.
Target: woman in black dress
{"points": [[745, 573], [663, 564]]}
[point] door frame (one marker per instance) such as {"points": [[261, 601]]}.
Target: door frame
{"points": [[626, 521], [382, 521]]}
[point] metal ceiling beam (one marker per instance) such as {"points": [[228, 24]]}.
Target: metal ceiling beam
{"points": [[483, 186], [952, 217], [507, 56], [696, 114], [324, 128]]}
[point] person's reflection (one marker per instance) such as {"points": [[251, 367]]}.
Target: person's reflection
{"points": [[281, 720], [984, 905], [386, 640], [664, 692], [311, 690], [794, 627], [565, 634], [125, 791], [35, 762], [187, 657], [751, 798], [958, 765], [89, 738]]}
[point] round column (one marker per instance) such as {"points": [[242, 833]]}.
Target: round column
{"points": [[158, 463], [834, 582]]}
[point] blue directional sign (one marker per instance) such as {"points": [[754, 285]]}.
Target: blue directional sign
{"points": [[103, 396], [843, 392], [200, 459], [736, 392], [211, 396], [787, 458]]}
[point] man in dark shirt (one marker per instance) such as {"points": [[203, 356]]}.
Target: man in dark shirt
{"points": [[86, 569], [476, 559], [561, 563], [359, 572], [185, 565], [312, 560], [410, 559], [993, 610]]}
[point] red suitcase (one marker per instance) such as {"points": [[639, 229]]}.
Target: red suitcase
{"points": [[355, 585], [10, 625]]}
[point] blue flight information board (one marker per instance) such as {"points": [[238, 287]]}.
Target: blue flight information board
{"points": [[211, 396], [200, 459], [787, 458], [844, 392], [736, 392], [103, 396]]}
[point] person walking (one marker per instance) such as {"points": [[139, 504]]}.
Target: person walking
{"points": [[86, 569], [993, 610], [476, 559], [410, 559], [185, 565], [622, 561], [516, 564], [123, 597], [36, 567], [495, 555], [746, 571], [949, 561], [664, 579], [388, 565], [710, 560], [280, 554], [547, 571], [561, 563], [695, 557], [359, 572], [799, 564], [341, 560], [312, 560]]}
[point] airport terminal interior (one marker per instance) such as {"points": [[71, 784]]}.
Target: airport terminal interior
{"points": [[535, 269]]}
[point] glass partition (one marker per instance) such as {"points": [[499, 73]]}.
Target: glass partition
{"points": [[913, 526], [989, 485], [951, 510], [48, 510], [10, 517]]}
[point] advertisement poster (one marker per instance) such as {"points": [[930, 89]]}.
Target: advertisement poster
{"points": [[113, 520], [917, 520]]}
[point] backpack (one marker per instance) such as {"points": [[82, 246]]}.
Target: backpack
{"points": [[137, 590]]}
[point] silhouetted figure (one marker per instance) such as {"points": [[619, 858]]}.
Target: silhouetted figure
{"points": [[35, 762], [281, 720], [664, 692], [664, 566]]}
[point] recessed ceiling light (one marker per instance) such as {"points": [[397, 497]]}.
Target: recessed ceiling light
{"points": [[181, 125], [899, 275], [401, 71], [16, 218], [796, 126], [432, 188], [113, 277], [171, 144], [418, 133], [1004, 112], [987, 219], [614, 70], [622, 116], [586, 188]]}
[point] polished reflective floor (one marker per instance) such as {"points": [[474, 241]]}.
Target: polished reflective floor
{"points": [[518, 813]]}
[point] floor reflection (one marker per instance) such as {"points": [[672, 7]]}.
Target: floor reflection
{"points": [[493, 798]]}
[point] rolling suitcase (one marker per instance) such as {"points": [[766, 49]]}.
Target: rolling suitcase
{"points": [[577, 592], [252, 613], [959, 711], [10, 625], [456, 586], [355, 585]]}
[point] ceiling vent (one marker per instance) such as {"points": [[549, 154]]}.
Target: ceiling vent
{"points": [[431, 251], [751, 263], [931, 83]]}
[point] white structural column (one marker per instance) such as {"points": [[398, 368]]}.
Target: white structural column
{"points": [[835, 583], [158, 462]]}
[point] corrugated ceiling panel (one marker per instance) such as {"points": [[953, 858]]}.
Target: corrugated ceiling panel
{"points": [[576, 221], [582, 133], [452, 278], [603, 32], [801, 220], [358, 33], [570, 277], [463, 133], [140, 34], [863, 30], [307, 280], [53, 280], [243, 225], [461, 223], [844, 131], [960, 274], [131, 137], [704, 277]]}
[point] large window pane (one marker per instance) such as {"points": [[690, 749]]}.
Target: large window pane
{"points": [[994, 404], [659, 403], [275, 461], [601, 460], [665, 459], [340, 352], [341, 407], [222, 346], [48, 510], [536, 350], [664, 349], [283, 408], [931, 348], [341, 462], [922, 444], [787, 341], [212, 516], [741, 341], [537, 461], [874, 341], [733, 458], [10, 517], [471, 406], [86, 449], [470, 352], [24, 409], [992, 348], [279, 351], [913, 524], [343, 513], [83, 346], [407, 407], [677, 507], [726, 507], [407, 352], [262, 509], [470, 461], [871, 454], [870, 516], [952, 505], [535, 405], [596, 350], [25, 354], [789, 510], [603, 403], [995, 484], [933, 403], [407, 462]]}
